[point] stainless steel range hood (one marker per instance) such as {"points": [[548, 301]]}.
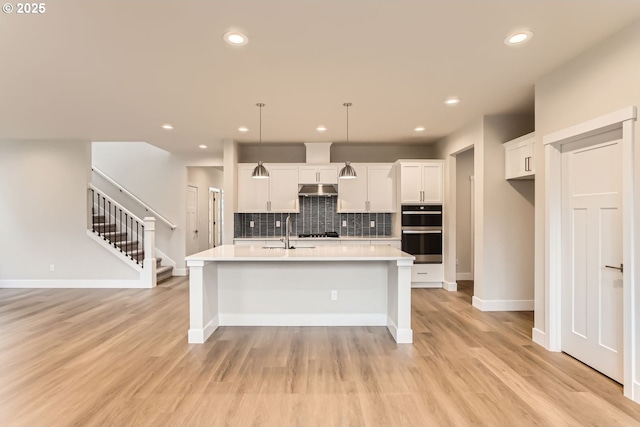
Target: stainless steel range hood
{"points": [[326, 190]]}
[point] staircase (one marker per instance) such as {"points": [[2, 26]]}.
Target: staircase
{"points": [[128, 239]]}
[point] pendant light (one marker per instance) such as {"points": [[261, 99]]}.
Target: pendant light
{"points": [[260, 172], [347, 171]]}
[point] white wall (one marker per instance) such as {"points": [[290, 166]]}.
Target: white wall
{"points": [[158, 178], [506, 210], [43, 215], [463, 139], [503, 215], [464, 211], [602, 80], [203, 178]]}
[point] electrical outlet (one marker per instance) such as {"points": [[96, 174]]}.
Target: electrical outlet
{"points": [[251, 224], [344, 223], [457, 261], [52, 267], [277, 224], [373, 224], [334, 295]]}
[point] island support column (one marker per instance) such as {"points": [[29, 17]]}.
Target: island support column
{"points": [[203, 300], [399, 301]]}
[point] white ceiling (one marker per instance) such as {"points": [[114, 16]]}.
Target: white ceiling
{"points": [[109, 70]]}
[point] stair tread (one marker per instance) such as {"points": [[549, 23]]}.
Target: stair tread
{"points": [[163, 269]]}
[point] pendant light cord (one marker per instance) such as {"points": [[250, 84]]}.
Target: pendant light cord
{"points": [[260, 105]]}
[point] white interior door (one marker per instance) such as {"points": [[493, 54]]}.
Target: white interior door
{"points": [[192, 220], [592, 239]]}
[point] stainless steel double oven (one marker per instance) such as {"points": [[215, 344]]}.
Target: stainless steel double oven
{"points": [[422, 232]]}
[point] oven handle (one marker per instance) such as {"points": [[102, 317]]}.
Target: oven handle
{"points": [[421, 212], [422, 232]]}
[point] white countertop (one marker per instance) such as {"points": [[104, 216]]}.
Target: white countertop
{"points": [[318, 253], [355, 238]]}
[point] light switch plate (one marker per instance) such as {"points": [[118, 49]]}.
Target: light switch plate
{"points": [[373, 224], [251, 224], [344, 223], [277, 224]]}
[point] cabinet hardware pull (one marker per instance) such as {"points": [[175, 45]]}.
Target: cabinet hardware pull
{"points": [[621, 268]]}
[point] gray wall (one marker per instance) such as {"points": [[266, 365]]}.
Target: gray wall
{"points": [[43, 214]]}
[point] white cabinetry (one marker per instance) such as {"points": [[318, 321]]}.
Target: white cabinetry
{"points": [[519, 159], [278, 193], [372, 191], [421, 182], [318, 174]]}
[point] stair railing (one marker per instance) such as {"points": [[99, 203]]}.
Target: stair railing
{"points": [[116, 225], [134, 197]]}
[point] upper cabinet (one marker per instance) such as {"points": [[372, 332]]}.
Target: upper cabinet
{"points": [[372, 191], [278, 193], [421, 182], [519, 160], [318, 174]]}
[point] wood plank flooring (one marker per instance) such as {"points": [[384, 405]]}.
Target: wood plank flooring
{"points": [[120, 358]]}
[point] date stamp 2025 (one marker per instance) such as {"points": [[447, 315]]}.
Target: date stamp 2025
{"points": [[25, 8]]}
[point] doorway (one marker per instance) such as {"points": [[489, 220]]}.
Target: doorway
{"points": [[464, 221], [192, 220], [599, 133], [215, 217]]}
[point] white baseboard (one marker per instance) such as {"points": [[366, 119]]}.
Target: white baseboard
{"points": [[180, 271], [539, 337], [636, 392], [430, 285], [450, 286], [364, 319], [464, 276], [402, 336], [503, 305], [199, 336], [73, 284]]}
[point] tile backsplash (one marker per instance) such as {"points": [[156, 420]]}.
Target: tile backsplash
{"points": [[317, 215]]}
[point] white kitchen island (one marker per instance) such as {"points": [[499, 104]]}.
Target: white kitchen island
{"points": [[322, 286]]}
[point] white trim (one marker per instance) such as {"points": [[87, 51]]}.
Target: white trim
{"points": [[302, 319], [401, 336], [636, 392], [115, 252], [598, 125], [450, 286], [72, 284], [426, 285], [624, 119], [464, 276], [503, 305], [199, 336], [180, 271], [539, 337]]}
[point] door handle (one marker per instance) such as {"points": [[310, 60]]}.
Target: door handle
{"points": [[621, 268]]}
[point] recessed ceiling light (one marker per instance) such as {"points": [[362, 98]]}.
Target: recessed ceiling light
{"points": [[167, 126], [321, 128], [452, 101], [202, 146], [518, 38], [419, 128], [235, 38], [243, 129]]}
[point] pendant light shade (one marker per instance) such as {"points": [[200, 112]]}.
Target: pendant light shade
{"points": [[347, 171], [260, 172]]}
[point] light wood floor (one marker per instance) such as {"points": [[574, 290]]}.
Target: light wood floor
{"points": [[121, 358]]}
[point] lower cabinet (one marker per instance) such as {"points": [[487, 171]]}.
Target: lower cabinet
{"points": [[427, 275]]}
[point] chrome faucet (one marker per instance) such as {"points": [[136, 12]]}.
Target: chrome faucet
{"points": [[287, 227]]}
